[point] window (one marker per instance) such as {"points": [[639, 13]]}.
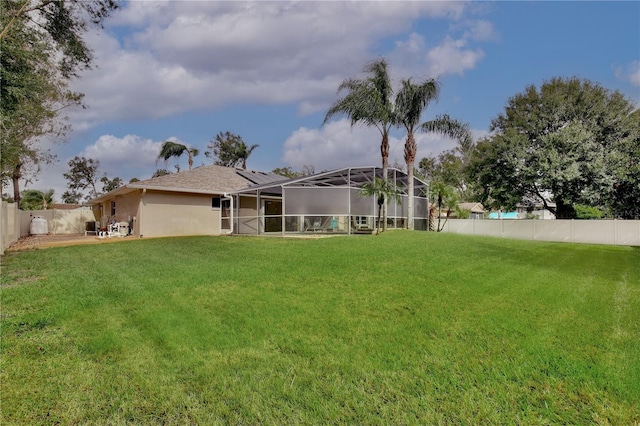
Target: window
{"points": [[362, 221], [113, 208], [215, 202]]}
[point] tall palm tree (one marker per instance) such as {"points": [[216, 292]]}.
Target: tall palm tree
{"points": [[243, 152], [383, 190], [369, 101], [173, 149], [411, 101]]}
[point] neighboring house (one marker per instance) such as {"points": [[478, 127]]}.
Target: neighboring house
{"points": [[192, 202], [534, 208], [327, 202], [476, 210]]}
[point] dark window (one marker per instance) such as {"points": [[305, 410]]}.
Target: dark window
{"points": [[215, 202], [113, 208]]}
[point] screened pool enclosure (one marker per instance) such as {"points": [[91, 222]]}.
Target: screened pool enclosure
{"points": [[328, 202]]}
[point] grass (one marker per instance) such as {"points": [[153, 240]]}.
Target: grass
{"points": [[403, 328]]}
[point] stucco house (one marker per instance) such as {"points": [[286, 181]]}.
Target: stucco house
{"points": [[476, 210], [191, 202]]}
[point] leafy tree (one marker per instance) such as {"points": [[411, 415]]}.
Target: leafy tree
{"points": [[286, 172], [174, 149], [82, 175], [449, 167], [229, 150], [308, 170], [569, 142], [383, 190], [411, 101], [160, 172], [134, 180], [33, 199], [109, 185], [587, 212], [71, 197], [369, 101], [42, 49]]}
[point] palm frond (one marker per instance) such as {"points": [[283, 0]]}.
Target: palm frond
{"points": [[412, 100], [171, 149], [445, 125]]}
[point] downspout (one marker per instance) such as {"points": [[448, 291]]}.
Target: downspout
{"points": [[226, 195], [142, 204]]}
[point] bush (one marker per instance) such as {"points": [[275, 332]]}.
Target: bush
{"points": [[587, 212]]}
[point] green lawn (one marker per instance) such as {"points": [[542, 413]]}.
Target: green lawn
{"points": [[403, 328]]}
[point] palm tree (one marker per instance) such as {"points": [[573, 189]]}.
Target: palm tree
{"points": [[173, 149], [384, 190], [243, 152], [369, 101], [445, 197], [411, 101], [32, 199]]}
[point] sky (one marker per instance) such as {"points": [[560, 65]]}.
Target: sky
{"points": [[268, 71]]}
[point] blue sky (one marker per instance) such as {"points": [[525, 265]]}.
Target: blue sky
{"points": [[269, 70]]}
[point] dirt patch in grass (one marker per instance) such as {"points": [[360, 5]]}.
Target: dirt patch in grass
{"points": [[32, 242]]}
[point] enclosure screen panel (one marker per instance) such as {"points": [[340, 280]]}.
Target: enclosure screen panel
{"points": [[319, 201], [365, 206], [421, 207]]}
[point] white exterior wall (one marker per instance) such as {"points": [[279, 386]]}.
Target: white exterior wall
{"points": [[166, 214]]}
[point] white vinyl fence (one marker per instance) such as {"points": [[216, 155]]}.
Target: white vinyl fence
{"points": [[615, 232], [58, 221], [9, 225]]}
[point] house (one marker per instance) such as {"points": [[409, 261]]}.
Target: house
{"points": [[192, 202], [476, 210], [327, 202], [533, 208]]}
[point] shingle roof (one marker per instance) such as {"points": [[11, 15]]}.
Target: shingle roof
{"points": [[210, 179], [472, 207]]}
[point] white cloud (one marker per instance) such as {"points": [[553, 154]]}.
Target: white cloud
{"points": [[121, 156], [480, 30], [630, 73], [411, 57], [163, 58], [452, 57], [339, 145]]}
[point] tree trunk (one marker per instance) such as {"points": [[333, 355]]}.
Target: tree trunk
{"points": [[15, 177], [564, 211], [410, 149], [384, 152], [432, 218]]}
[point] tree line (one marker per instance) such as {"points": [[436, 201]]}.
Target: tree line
{"points": [[570, 146]]}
